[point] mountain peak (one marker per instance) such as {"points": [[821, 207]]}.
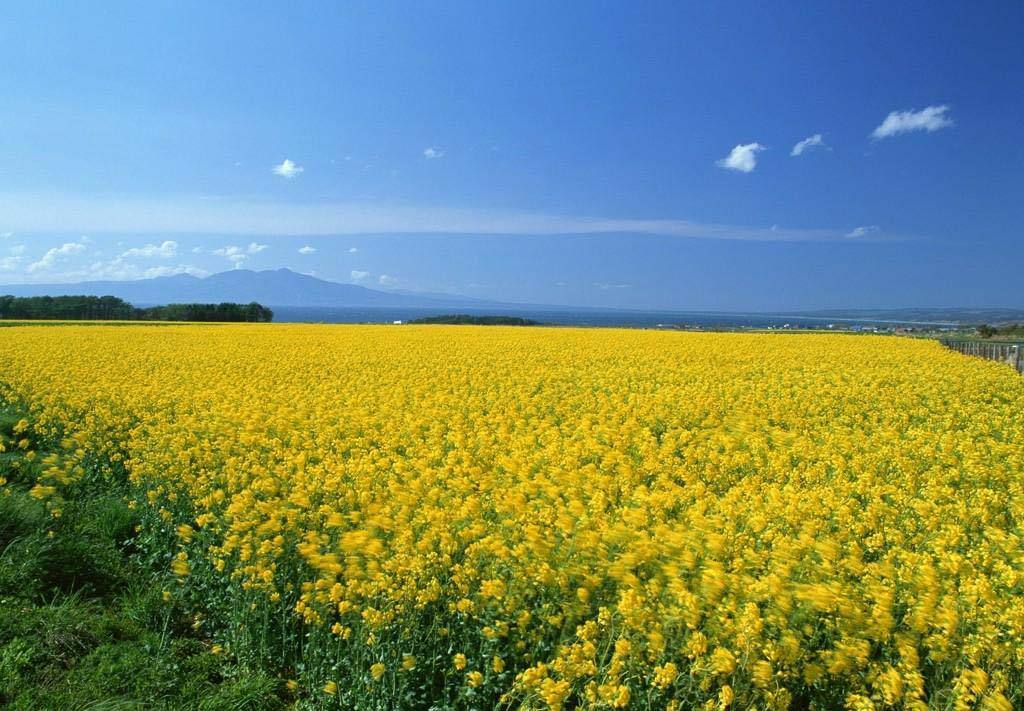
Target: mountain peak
{"points": [[180, 277], [270, 287]]}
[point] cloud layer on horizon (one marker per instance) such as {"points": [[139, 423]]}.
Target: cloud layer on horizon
{"points": [[56, 213]]}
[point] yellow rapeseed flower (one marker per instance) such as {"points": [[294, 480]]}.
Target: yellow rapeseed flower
{"points": [[608, 516]]}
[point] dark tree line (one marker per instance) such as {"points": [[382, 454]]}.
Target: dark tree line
{"points": [[111, 308], [249, 313]]}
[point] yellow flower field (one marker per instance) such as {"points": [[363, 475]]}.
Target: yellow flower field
{"points": [[548, 518]]}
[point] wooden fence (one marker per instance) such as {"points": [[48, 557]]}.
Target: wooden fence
{"points": [[1010, 353]]}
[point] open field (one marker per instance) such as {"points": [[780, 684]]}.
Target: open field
{"points": [[384, 517]]}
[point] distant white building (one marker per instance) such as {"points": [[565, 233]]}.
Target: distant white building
{"points": [[397, 323]]}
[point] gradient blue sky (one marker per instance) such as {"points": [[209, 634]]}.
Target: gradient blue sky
{"points": [[570, 153]]}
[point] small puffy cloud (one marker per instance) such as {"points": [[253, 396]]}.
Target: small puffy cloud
{"points": [[197, 250], [171, 271], [863, 231], [815, 141], [359, 275], [9, 264], [352, 250], [166, 249], [742, 158], [432, 152], [6, 235], [385, 280], [929, 119], [55, 254], [233, 253], [307, 249], [287, 169], [119, 269]]}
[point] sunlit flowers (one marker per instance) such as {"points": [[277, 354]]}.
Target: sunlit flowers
{"points": [[561, 518]]}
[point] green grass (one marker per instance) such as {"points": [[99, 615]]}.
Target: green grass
{"points": [[83, 619]]}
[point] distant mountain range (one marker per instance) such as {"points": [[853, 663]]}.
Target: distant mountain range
{"points": [[301, 297], [278, 287]]}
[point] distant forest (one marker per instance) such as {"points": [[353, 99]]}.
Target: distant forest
{"points": [[1012, 329], [111, 308], [464, 319]]}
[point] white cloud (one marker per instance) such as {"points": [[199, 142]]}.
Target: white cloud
{"points": [[742, 158], [605, 287], [120, 270], [197, 250], [352, 250], [166, 249], [233, 253], [863, 231], [385, 280], [171, 271], [808, 143], [359, 275], [55, 265], [307, 249], [287, 169], [432, 152], [55, 254], [255, 248], [41, 212], [929, 119], [6, 235]]}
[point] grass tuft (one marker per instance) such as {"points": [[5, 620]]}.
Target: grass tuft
{"points": [[83, 619]]}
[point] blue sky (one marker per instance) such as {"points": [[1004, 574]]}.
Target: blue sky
{"points": [[590, 153]]}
